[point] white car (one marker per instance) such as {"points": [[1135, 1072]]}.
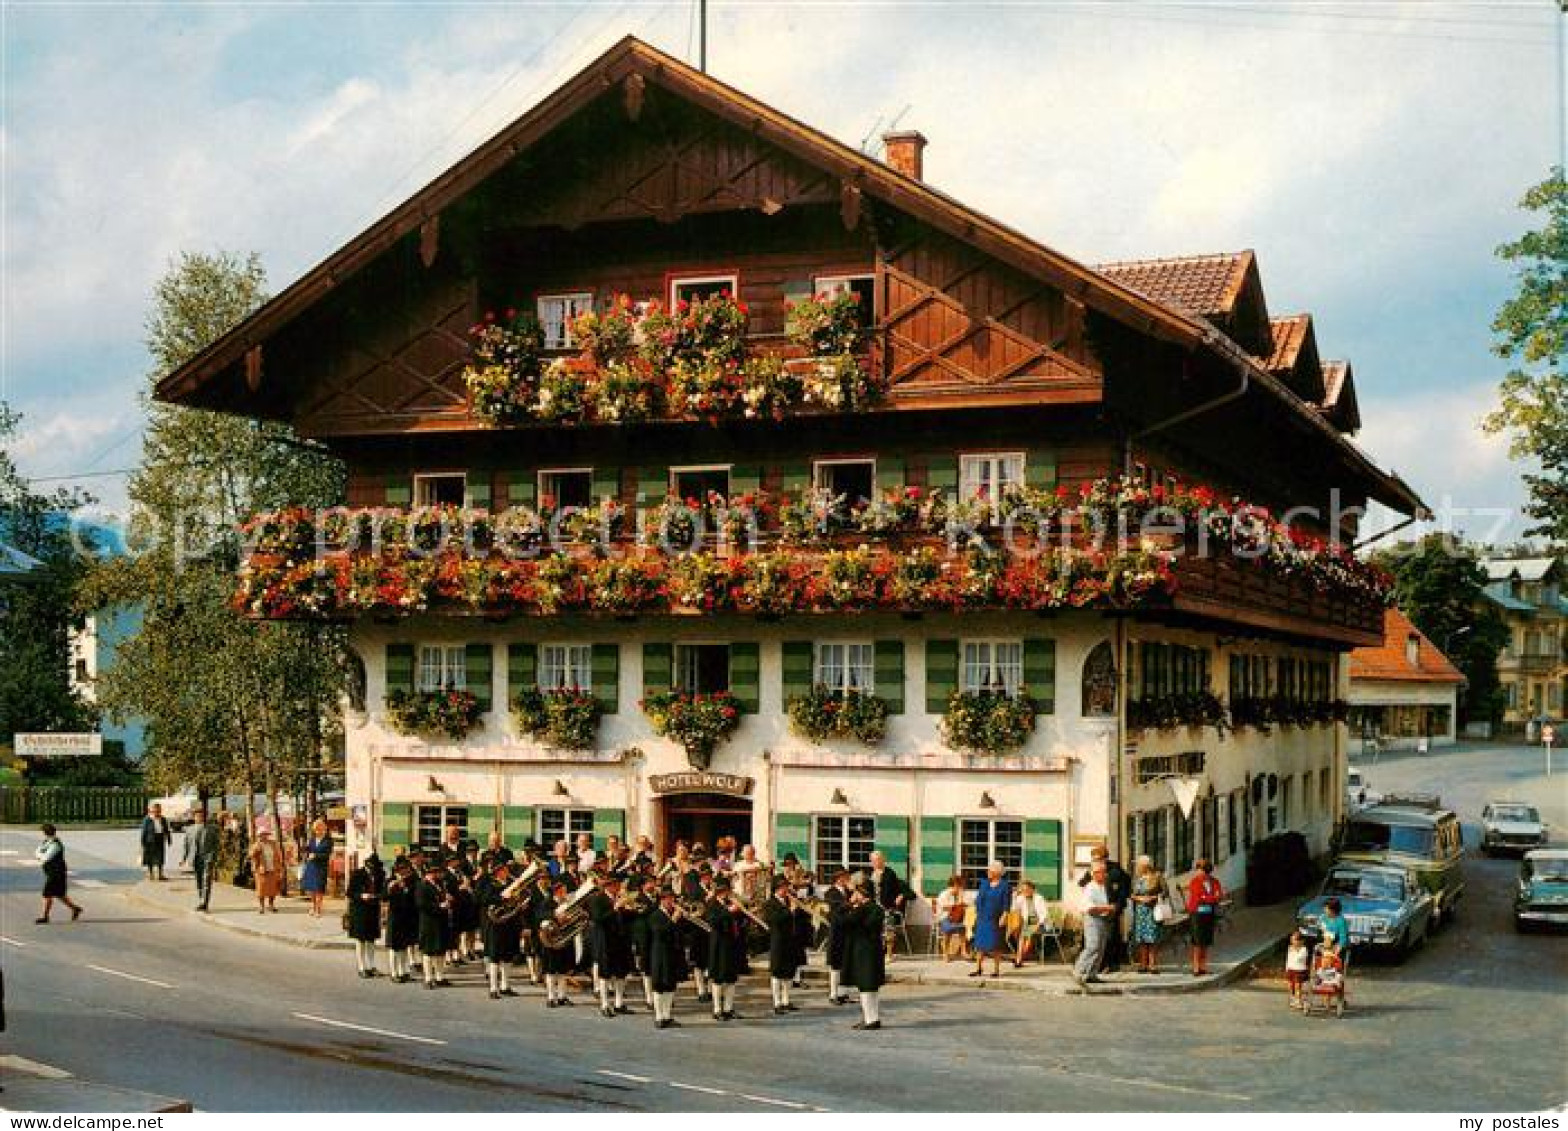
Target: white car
{"points": [[1511, 826]]}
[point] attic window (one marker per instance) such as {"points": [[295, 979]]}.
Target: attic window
{"points": [[556, 313], [1413, 650], [689, 288]]}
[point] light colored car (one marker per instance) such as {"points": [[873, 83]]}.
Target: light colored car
{"points": [[1542, 898], [1385, 907], [178, 807], [1511, 826]]}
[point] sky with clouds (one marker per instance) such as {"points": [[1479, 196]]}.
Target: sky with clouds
{"points": [[1372, 154]]}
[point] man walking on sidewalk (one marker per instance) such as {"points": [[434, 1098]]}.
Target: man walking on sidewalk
{"points": [[1098, 911], [204, 857]]}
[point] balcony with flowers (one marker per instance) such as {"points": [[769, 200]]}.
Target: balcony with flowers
{"points": [[640, 361], [1114, 545]]}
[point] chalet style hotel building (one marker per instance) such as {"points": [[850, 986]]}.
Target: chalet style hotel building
{"points": [[709, 477]]}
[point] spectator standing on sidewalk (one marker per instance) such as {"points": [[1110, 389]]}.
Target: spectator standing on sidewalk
{"points": [[202, 844], [318, 861], [51, 856], [266, 869], [1099, 919], [156, 838], [1203, 904]]}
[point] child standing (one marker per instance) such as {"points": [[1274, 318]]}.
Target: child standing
{"points": [[1296, 958]]}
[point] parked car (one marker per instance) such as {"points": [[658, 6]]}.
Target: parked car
{"points": [[1542, 898], [1358, 790], [1511, 826], [179, 807], [1418, 835], [1385, 907]]}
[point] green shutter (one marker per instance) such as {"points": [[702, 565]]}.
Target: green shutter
{"points": [[397, 827], [481, 822], [890, 472], [745, 676], [794, 478], [477, 666], [606, 483], [797, 670], [1040, 674], [744, 478], [653, 483], [400, 490], [607, 677], [400, 667], [938, 846], [658, 664], [942, 471], [1040, 468], [1043, 856], [888, 674], [941, 674], [522, 488], [522, 668], [479, 491], [518, 824], [893, 840], [792, 833], [608, 823]]}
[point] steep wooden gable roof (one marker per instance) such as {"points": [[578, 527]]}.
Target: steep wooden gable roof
{"points": [[1339, 403]]}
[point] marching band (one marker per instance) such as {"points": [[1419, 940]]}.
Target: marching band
{"points": [[617, 916]]}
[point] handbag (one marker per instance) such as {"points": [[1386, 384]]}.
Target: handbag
{"points": [[1163, 911]]}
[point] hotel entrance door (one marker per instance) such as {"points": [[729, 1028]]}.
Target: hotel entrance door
{"points": [[702, 818]]}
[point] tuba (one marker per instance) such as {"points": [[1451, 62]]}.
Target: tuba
{"points": [[570, 918], [515, 897]]}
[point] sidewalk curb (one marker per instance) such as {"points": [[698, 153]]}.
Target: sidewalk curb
{"points": [[240, 928]]}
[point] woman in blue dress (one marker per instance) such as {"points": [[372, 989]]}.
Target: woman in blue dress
{"points": [[1148, 888], [318, 861], [993, 901]]}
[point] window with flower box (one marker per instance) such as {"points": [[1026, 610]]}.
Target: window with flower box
{"points": [[993, 665], [863, 287], [566, 487], [842, 842], [852, 480], [556, 312], [690, 288], [1171, 669], [988, 475], [697, 483], [442, 667], [431, 821], [442, 489], [565, 666], [702, 668], [981, 841], [846, 667]]}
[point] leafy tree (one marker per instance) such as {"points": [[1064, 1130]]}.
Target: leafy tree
{"points": [[1532, 328], [1438, 584], [228, 701], [36, 615]]}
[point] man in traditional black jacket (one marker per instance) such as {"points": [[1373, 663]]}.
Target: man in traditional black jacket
{"points": [[779, 913], [611, 946], [666, 959]]}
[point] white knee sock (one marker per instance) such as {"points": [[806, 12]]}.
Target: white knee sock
{"points": [[549, 987], [647, 989], [620, 992], [430, 963], [702, 982], [729, 998], [506, 977], [718, 999], [604, 993], [833, 983], [663, 1007], [871, 1007]]}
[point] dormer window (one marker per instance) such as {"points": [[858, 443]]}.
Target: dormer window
{"points": [[444, 489], [1413, 650], [690, 288], [555, 314]]}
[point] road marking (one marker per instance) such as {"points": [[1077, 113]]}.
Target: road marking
{"points": [[9, 852], [85, 883], [1154, 1084], [775, 1103], [131, 977], [626, 1076], [33, 1068], [698, 1088], [367, 1029], [13, 942]]}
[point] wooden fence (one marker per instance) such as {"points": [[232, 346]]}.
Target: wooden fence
{"points": [[68, 805]]}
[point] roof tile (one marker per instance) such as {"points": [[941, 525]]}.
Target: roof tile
{"points": [[1199, 284], [1390, 661]]}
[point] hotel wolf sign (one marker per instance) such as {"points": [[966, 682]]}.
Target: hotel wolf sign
{"points": [[694, 781]]}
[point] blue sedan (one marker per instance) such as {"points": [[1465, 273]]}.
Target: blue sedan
{"points": [[1384, 907]]}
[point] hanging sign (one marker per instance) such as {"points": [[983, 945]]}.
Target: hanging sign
{"points": [[59, 745], [701, 781], [1186, 791]]}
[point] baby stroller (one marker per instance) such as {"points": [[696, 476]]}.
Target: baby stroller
{"points": [[1325, 988]]}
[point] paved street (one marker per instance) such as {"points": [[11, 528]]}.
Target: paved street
{"points": [[139, 999]]}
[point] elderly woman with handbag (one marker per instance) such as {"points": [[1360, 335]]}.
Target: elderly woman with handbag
{"points": [[1151, 910]]}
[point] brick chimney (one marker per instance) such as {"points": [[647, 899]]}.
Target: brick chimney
{"points": [[906, 152]]}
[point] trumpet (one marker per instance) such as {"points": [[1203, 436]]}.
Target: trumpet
{"points": [[819, 910], [632, 901], [695, 914], [756, 920]]}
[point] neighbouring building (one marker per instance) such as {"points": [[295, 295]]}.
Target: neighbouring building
{"points": [[91, 649], [1532, 668], [873, 361], [1403, 691]]}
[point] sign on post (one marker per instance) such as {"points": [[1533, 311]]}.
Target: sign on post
{"points": [[59, 745], [1548, 740]]}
